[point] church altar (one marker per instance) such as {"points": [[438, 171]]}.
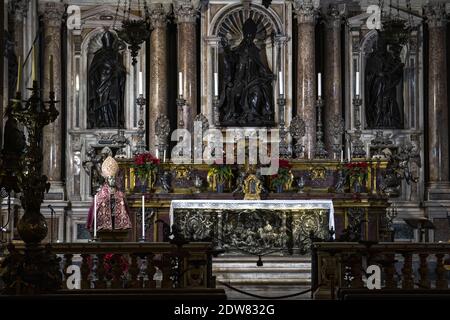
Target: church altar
{"points": [[257, 227]]}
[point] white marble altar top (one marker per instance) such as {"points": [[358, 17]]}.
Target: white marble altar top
{"points": [[254, 204]]}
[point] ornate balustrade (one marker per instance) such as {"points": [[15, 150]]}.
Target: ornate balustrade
{"points": [[132, 266], [340, 266]]}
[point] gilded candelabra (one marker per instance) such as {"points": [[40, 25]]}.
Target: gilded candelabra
{"points": [[284, 145], [181, 102], [320, 152]]}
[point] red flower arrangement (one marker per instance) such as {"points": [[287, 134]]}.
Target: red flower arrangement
{"points": [[144, 163], [356, 170], [284, 173]]}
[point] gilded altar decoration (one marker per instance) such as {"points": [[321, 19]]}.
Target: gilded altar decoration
{"points": [[219, 176], [357, 173], [282, 181], [318, 173], [252, 188], [145, 167]]}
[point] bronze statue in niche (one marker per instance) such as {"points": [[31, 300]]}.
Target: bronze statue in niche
{"points": [[383, 92], [247, 96], [106, 86]]}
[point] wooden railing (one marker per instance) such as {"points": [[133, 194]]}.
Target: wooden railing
{"points": [[136, 265], [340, 266]]}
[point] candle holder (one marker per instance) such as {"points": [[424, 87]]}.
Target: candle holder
{"points": [[140, 145], [284, 145], [216, 115], [181, 102], [320, 152], [358, 151], [148, 214]]}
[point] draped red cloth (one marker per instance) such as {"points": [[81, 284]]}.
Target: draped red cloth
{"points": [[104, 219]]}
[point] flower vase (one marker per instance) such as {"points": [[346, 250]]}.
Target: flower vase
{"points": [[357, 187], [220, 187], [151, 180], [280, 188]]}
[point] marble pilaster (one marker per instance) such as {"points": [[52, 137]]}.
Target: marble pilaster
{"points": [[306, 72], [186, 16], [332, 77], [52, 138], [158, 70], [438, 148]]}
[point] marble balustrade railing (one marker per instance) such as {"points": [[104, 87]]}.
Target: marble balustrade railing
{"points": [[135, 265], [404, 266]]}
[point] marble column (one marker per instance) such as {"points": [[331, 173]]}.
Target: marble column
{"points": [[186, 16], [158, 70], [438, 148], [52, 138], [333, 81], [306, 72]]}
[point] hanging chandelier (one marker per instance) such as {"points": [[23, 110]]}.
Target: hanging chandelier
{"points": [[133, 32]]}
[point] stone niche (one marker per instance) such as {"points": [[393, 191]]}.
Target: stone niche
{"points": [[225, 19]]}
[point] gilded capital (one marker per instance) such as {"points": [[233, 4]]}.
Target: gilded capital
{"points": [[305, 11], [435, 13], [184, 11]]}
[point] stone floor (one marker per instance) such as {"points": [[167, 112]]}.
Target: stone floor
{"points": [[279, 276]]}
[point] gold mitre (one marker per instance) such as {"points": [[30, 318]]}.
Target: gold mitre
{"points": [[109, 167]]}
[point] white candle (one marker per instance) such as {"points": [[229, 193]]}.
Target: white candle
{"points": [[77, 83], [216, 84], [319, 84], [95, 216], [357, 83], [280, 82], [143, 217], [164, 160], [33, 65], [180, 84], [349, 155], [342, 155], [141, 89], [157, 154]]}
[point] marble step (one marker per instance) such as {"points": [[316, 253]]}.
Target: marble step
{"points": [[268, 291]]}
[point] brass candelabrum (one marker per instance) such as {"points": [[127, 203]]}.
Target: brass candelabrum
{"points": [[320, 152], [140, 145], [181, 102], [358, 151], [37, 271], [284, 144]]}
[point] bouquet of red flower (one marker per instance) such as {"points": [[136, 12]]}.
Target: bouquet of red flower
{"points": [[144, 164], [356, 171]]}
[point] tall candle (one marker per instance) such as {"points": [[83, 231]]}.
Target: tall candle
{"points": [[180, 84], [349, 155], [141, 89], [342, 155], [77, 83], [33, 65], [51, 73], [19, 74], [143, 217], [280, 82], [164, 158], [357, 83], [216, 84], [95, 216], [157, 153], [319, 84]]}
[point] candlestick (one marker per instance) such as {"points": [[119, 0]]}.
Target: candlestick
{"points": [[19, 74], [95, 217], [33, 65], [157, 153], [280, 82], [216, 84], [349, 157], [164, 159], [143, 217], [51, 73], [141, 89], [180, 84], [77, 83], [357, 83], [319, 84], [342, 155]]}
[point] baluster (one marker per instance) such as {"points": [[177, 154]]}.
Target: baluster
{"points": [[389, 271], [423, 271], [166, 268], [134, 271], [116, 282], [85, 271], [67, 263], [150, 271], [356, 266], [441, 281], [407, 272], [101, 272]]}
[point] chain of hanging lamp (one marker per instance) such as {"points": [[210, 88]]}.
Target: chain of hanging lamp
{"points": [[133, 32]]}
